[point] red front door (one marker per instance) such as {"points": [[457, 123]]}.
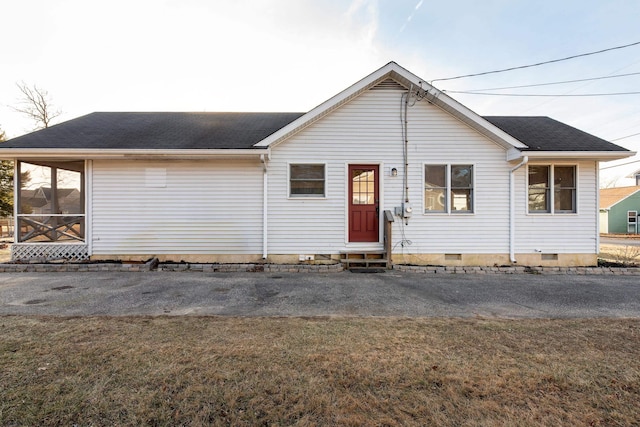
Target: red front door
{"points": [[363, 203]]}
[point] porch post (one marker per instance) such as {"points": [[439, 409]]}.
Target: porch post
{"points": [[54, 203]]}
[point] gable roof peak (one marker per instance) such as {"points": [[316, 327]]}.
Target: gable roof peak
{"points": [[407, 79]]}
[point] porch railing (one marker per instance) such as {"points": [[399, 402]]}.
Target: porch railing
{"points": [[50, 228]]}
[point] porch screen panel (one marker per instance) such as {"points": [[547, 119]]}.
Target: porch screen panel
{"points": [[51, 201]]}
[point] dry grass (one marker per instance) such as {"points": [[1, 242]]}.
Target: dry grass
{"points": [[308, 372], [625, 255], [5, 252]]}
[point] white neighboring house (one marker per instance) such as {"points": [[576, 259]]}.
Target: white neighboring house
{"points": [[283, 187]]}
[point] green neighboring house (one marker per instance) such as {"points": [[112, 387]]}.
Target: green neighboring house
{"points": [[619, 208]]}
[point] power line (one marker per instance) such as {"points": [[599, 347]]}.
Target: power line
{"points": [[536, 64], [556, 83], [621, 164], [542, 95], [625, 137]]}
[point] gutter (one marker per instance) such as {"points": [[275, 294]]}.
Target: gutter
{"points": [[512, 209], [580, 155], [85, 153]]}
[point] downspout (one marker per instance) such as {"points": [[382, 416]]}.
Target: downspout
{"points": [[265, 199], [512, 209], [597, 248]]}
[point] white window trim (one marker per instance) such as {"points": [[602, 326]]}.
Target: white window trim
{"points": [[552, 189], [448, 210], [302, 197]]}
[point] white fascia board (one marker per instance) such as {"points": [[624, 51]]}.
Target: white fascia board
{"points": [[22, 153], [406, 78], [603, 156]]}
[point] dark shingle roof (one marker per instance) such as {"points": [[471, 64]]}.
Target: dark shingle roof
{"points": [[157, 131], [546, 134], [176, 131]]}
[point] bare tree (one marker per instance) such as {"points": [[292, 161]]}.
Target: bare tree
{"points": [[609, 182], [37, 105]]}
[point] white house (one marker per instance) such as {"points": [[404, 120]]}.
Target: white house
{"points": [[461, 189]]}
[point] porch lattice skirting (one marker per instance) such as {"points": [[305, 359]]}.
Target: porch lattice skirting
{"points": [[69, 252]]}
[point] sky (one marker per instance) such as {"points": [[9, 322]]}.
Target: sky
{"points": [[291, 55]]}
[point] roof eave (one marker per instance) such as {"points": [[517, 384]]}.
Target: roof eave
{"points": [[66, 153], [603, 156]]}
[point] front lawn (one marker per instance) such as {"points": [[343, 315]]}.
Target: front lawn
{"points": [[311, 372]]}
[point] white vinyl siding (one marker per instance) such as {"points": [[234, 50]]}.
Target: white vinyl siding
{"points": [[216, 207], [562, 232], [177, 207], [368, 130]]}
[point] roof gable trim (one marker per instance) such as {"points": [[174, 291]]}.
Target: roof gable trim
{"points": [[407, 79]]}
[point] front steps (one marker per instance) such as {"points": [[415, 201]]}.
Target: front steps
{"points": [[369, 261]]}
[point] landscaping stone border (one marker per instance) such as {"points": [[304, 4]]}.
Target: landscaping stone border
{"points": [[518, 270], [154, 265]]}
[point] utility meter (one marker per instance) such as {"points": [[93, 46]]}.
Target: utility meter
{"points": [[407, 210]]}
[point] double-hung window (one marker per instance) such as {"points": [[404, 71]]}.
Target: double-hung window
{"points": [[307, 180], [448, 188], [552, 189]]}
